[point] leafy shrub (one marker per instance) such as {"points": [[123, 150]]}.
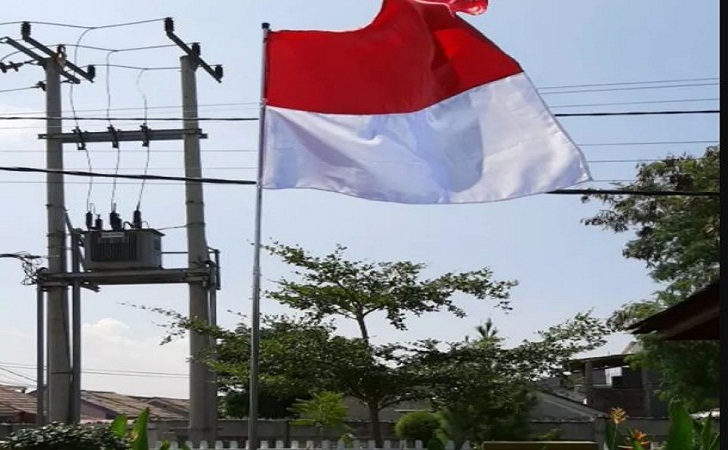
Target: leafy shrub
{"points": [[59, 436], [324, 410], [685, 432], [417, 426]]}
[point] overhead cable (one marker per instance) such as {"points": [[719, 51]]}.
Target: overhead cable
{"points": [[251, 183], [246, 119], [35, 86], [113, 25], [668, 86], [645, 102], [254, 104], [620, 83]]}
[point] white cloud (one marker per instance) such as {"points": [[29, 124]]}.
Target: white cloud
{"points": [[131, 364], [115, 357]]}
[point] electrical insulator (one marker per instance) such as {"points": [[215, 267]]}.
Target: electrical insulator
{"points": [[89, 221], [137, 220], [99, 224], [115, 221]]}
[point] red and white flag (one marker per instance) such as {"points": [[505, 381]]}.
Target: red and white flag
{"points": [[417, 107]]}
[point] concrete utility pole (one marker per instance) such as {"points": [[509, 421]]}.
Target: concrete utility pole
{"points": [[60, 377], [203, 386], [201, 274], [203, 392], [59, 346]]}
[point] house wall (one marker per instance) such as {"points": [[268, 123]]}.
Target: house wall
{"points": [[628, 391]]}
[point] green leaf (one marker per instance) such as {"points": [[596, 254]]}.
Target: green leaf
{"points": [[118, 426], [139, 432], [612, 436], [680, 435], [708, 437]]}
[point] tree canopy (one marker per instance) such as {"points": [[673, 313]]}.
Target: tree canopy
{"points": [[676, 236], [678, 239], [333, 286], [301, 355]]}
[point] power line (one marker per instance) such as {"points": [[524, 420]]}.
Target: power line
{"points": [[245, 119], [590, 161], [129, 176], [599, 161], [254, 104], [249, 183], [669, 86], [647, 102], [652, 193], [114, 25], [139, 119], [155, 151], [35, 86], [119, 372], [178, 183], [604, 144], [253, 150], [209, 105], [638, 113], [631, 82], [122, 66], [120, 50], [17, 374]]}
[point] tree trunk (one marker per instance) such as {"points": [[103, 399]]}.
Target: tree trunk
{"points": [[363, 328], [376, 427]]}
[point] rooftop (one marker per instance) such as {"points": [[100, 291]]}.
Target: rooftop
{"points": [[695, 318], [13, 401]]}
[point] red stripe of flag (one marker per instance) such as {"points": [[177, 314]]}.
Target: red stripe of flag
{"points": [[413, 55]]}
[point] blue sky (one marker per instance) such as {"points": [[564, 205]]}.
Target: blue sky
{"points": [[562, 266]]}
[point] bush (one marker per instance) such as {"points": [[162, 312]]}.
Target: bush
{"points": [[59, 436], [417, 426]]}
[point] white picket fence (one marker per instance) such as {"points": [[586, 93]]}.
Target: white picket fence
{"points": [[311, 445]]}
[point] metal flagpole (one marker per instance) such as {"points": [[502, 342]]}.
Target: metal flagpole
{"points": [[255, 314]]}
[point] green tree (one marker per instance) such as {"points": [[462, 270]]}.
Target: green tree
{"points": [[484, 391], [324, 410], [678, 239], [236, 403], [335, 287], [297, 357], [302, 355], [332, 286]]}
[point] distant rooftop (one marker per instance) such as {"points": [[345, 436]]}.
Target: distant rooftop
{"points": [[13, 401]]}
